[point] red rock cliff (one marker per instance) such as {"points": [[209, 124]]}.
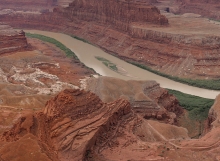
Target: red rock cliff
{"points": [[11, 40], [120, 13], [174, 49], [206, 8], [69, 124]]}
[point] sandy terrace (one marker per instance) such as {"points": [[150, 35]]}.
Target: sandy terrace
{"points": [[186, 24]]}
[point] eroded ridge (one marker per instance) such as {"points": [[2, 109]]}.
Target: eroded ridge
{"points": [[147, 98], [11, 40], [69, 124]]}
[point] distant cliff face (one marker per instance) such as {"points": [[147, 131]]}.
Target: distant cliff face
{"points": [[135, 31], [11, 40], [120, 13], [27, 2], [206, 8], [199, 1], [33, 5]]}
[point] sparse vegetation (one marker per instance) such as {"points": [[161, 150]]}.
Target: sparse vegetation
{"points": [[81, 39], [107, 63], [198, 107], [207, 84], [67, 51]]}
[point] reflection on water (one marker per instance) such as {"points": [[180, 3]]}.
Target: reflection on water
{"points": [[87, 53]]}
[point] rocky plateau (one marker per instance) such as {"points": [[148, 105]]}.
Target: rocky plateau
{"points": [[31, 72], [180, 45], [32, 5], [53, 109], [206, 8]]}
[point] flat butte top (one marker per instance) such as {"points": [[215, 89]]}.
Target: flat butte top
{"points": [[6, 30]]}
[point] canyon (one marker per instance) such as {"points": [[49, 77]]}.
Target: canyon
{"points": [[31, 72], [164, 42], [65, 111], [95, 130]]}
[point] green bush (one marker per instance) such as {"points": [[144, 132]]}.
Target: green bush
{"points": [[107, 63], [207, 84], [198, 107], [80, 39], [67, 51]]}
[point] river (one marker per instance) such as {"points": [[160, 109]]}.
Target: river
{"points": [[87, 53]]}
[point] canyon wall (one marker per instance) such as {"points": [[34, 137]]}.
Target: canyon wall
{"points": [[27, 2], [135, 31], [206, 8], [33, 5], [11, 40], [120, 14], [147, 98], [76, 125]]}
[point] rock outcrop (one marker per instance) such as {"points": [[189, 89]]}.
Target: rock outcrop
{"points": [[147, 98], [176, 49], [70, 123], [27, 5], [30, 77], [120, 14], [206, 8], [11, 40], [32, 5], [76, 125]]}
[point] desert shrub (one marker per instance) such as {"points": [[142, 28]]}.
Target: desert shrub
{"points": [[207, 84], [198, 107]]}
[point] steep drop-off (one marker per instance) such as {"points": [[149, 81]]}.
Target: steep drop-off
{"points": [[31, 76], [76, 125], [147, 98], [11, 40], [133, 31], [206, 8]]}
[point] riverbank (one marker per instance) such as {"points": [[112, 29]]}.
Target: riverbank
{"points": [[197, 107], [87, 53]]}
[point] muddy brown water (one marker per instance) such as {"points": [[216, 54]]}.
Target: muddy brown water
{"points": [[87, 53]]}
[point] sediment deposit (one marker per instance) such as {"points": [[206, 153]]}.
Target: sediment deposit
{"points": [[175, 44]]}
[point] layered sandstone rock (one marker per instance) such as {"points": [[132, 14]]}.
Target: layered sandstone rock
{"points": [[206, 8], [29, 78], [147, 98], [11, 40], [76, 125], [120, 14], [180, 49], [32, 5], [27, 5], [80, 115]]}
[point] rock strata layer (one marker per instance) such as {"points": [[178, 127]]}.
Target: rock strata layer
{"points": [[136, 31], [76, 125], [147, 98], [206, 8], [11, 40]]}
